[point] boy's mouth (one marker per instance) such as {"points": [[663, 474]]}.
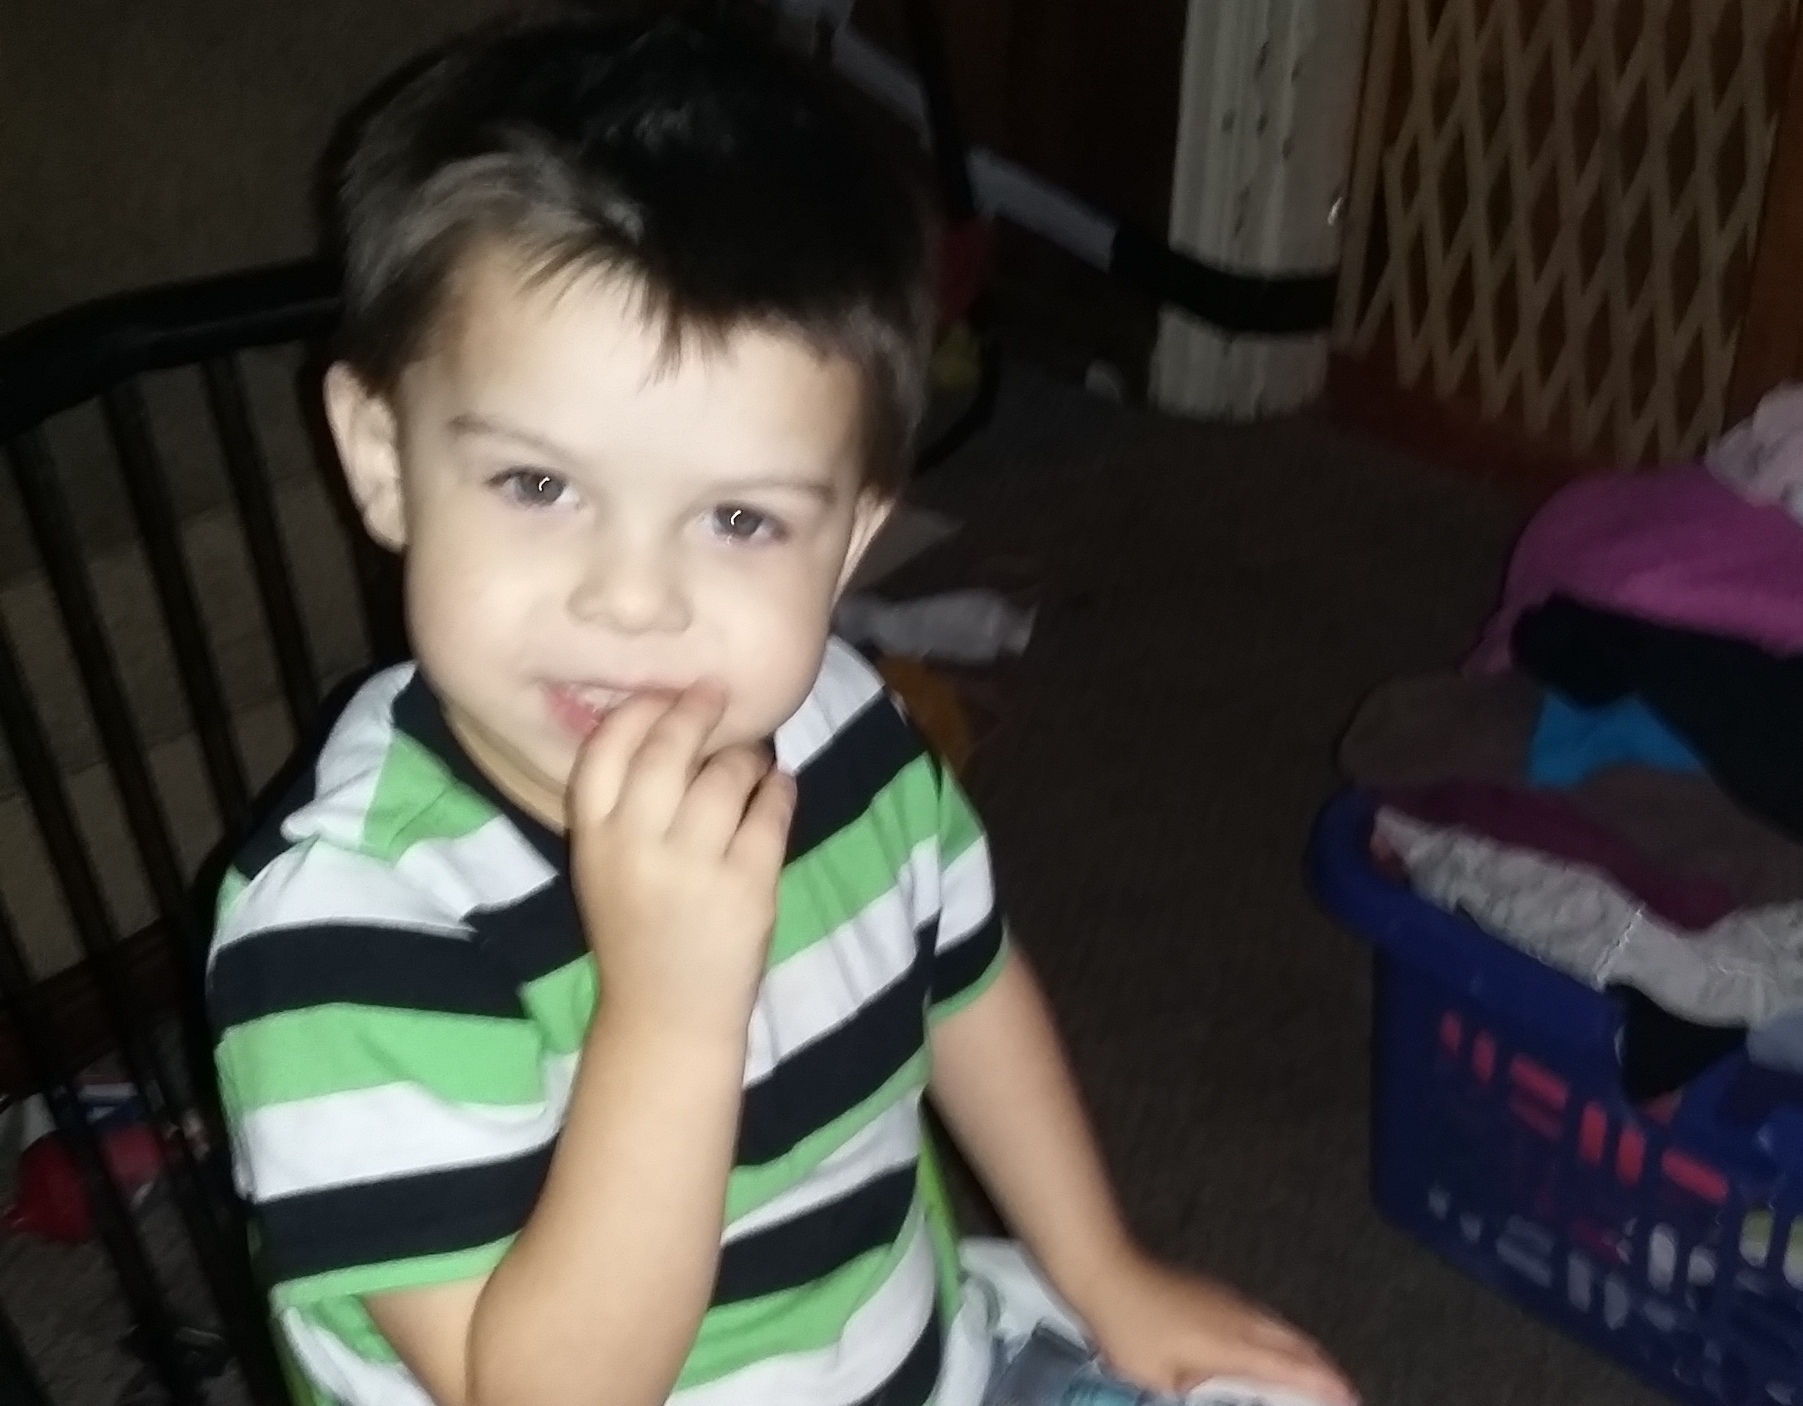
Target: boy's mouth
{"points": [[582, 707]]}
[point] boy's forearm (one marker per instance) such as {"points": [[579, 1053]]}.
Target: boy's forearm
{"points": [[599, 1299], [1001, 1081]]}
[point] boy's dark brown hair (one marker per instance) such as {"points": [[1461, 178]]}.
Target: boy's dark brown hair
{"points": [[684, 153]]}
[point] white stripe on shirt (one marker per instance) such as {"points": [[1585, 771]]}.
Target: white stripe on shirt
{"points": [[349, 766], [321, 885], [388, 1132], [966, 895], [888, 1141], [345, 1374], [827, 983], [846, 686], [494, 866]]}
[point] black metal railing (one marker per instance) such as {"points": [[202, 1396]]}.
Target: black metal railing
{"points": [[98, 355]]}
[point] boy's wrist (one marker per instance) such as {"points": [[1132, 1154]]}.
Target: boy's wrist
{"points": [[1086, 1269], [626, 1029]]}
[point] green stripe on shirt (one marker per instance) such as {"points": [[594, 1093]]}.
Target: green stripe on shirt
{"points": [[805, 1319], [842, 876], [747, 1188], [323, 1050], [416, 801], [453, 1267]]}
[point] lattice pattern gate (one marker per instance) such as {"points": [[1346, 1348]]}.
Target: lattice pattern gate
{"points": [[1554, 206]]}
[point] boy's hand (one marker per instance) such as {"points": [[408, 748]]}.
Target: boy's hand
{"points": [[1171, 1331], [676, 858]]}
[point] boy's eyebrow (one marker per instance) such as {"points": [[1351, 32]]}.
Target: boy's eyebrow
{"points": [[825, 492], [468, 424]]}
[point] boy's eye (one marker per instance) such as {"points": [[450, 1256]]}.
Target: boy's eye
{"points": [[532, 488], [737, 523]]}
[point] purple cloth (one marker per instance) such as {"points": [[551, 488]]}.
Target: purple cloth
{"points": [[1674, 547], [1547, 824]]}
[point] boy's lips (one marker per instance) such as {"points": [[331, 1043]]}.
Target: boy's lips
{"points": [[582, 707]]}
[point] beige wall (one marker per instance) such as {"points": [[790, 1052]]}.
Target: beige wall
{"points": [[141, 142], [146, 142]]}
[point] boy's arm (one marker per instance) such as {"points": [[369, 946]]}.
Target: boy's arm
{"points": [[599, 1298], [1002, 1083], [676, 862]]}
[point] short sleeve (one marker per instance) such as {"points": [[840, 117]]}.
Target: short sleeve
{"points": [[972, 943], [392, 1110]]}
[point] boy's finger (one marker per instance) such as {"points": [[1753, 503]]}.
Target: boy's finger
{"points": [[761, 842], [669, 758], [1275, 1333], [606, 757], [714, 807], [1307, 1374]]}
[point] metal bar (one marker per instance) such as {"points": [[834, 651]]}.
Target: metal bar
{"points": [[53, 528], [248, 472], [147, 486], [379, 590], [210, 1221], [68, 358], [112, 1218], [951, 152], [19, 1381], [42, 782]]}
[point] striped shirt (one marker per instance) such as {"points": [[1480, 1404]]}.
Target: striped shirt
{"points": [[401, 986]]}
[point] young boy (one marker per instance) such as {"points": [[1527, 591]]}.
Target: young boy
{"points": [[575, 1013]]}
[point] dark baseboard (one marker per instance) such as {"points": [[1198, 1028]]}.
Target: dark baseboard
{"points": [[1452, 433]]}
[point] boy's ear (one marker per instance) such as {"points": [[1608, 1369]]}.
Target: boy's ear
{"points": [[367, 435], [868, 518]]}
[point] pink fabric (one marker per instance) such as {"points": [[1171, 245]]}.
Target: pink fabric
{"points": [[1673, 546]]}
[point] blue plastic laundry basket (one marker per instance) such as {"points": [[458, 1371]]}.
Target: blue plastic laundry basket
{"points": [[1669, 1238]]}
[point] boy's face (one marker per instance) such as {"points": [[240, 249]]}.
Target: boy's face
{"points": [[585, 518]]}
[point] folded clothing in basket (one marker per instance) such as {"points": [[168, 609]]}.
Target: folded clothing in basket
{"points": [[1676, 546], [1628, 837], [1572, 743], [1746, 969], [1548, 826], [1761, 458], [1659, 1050], [1443, 727], [1738, 706]]}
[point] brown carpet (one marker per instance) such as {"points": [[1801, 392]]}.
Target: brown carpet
{"points": [[1219, 599]]}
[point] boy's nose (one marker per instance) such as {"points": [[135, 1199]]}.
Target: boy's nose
{"points": [[634, 591]]}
